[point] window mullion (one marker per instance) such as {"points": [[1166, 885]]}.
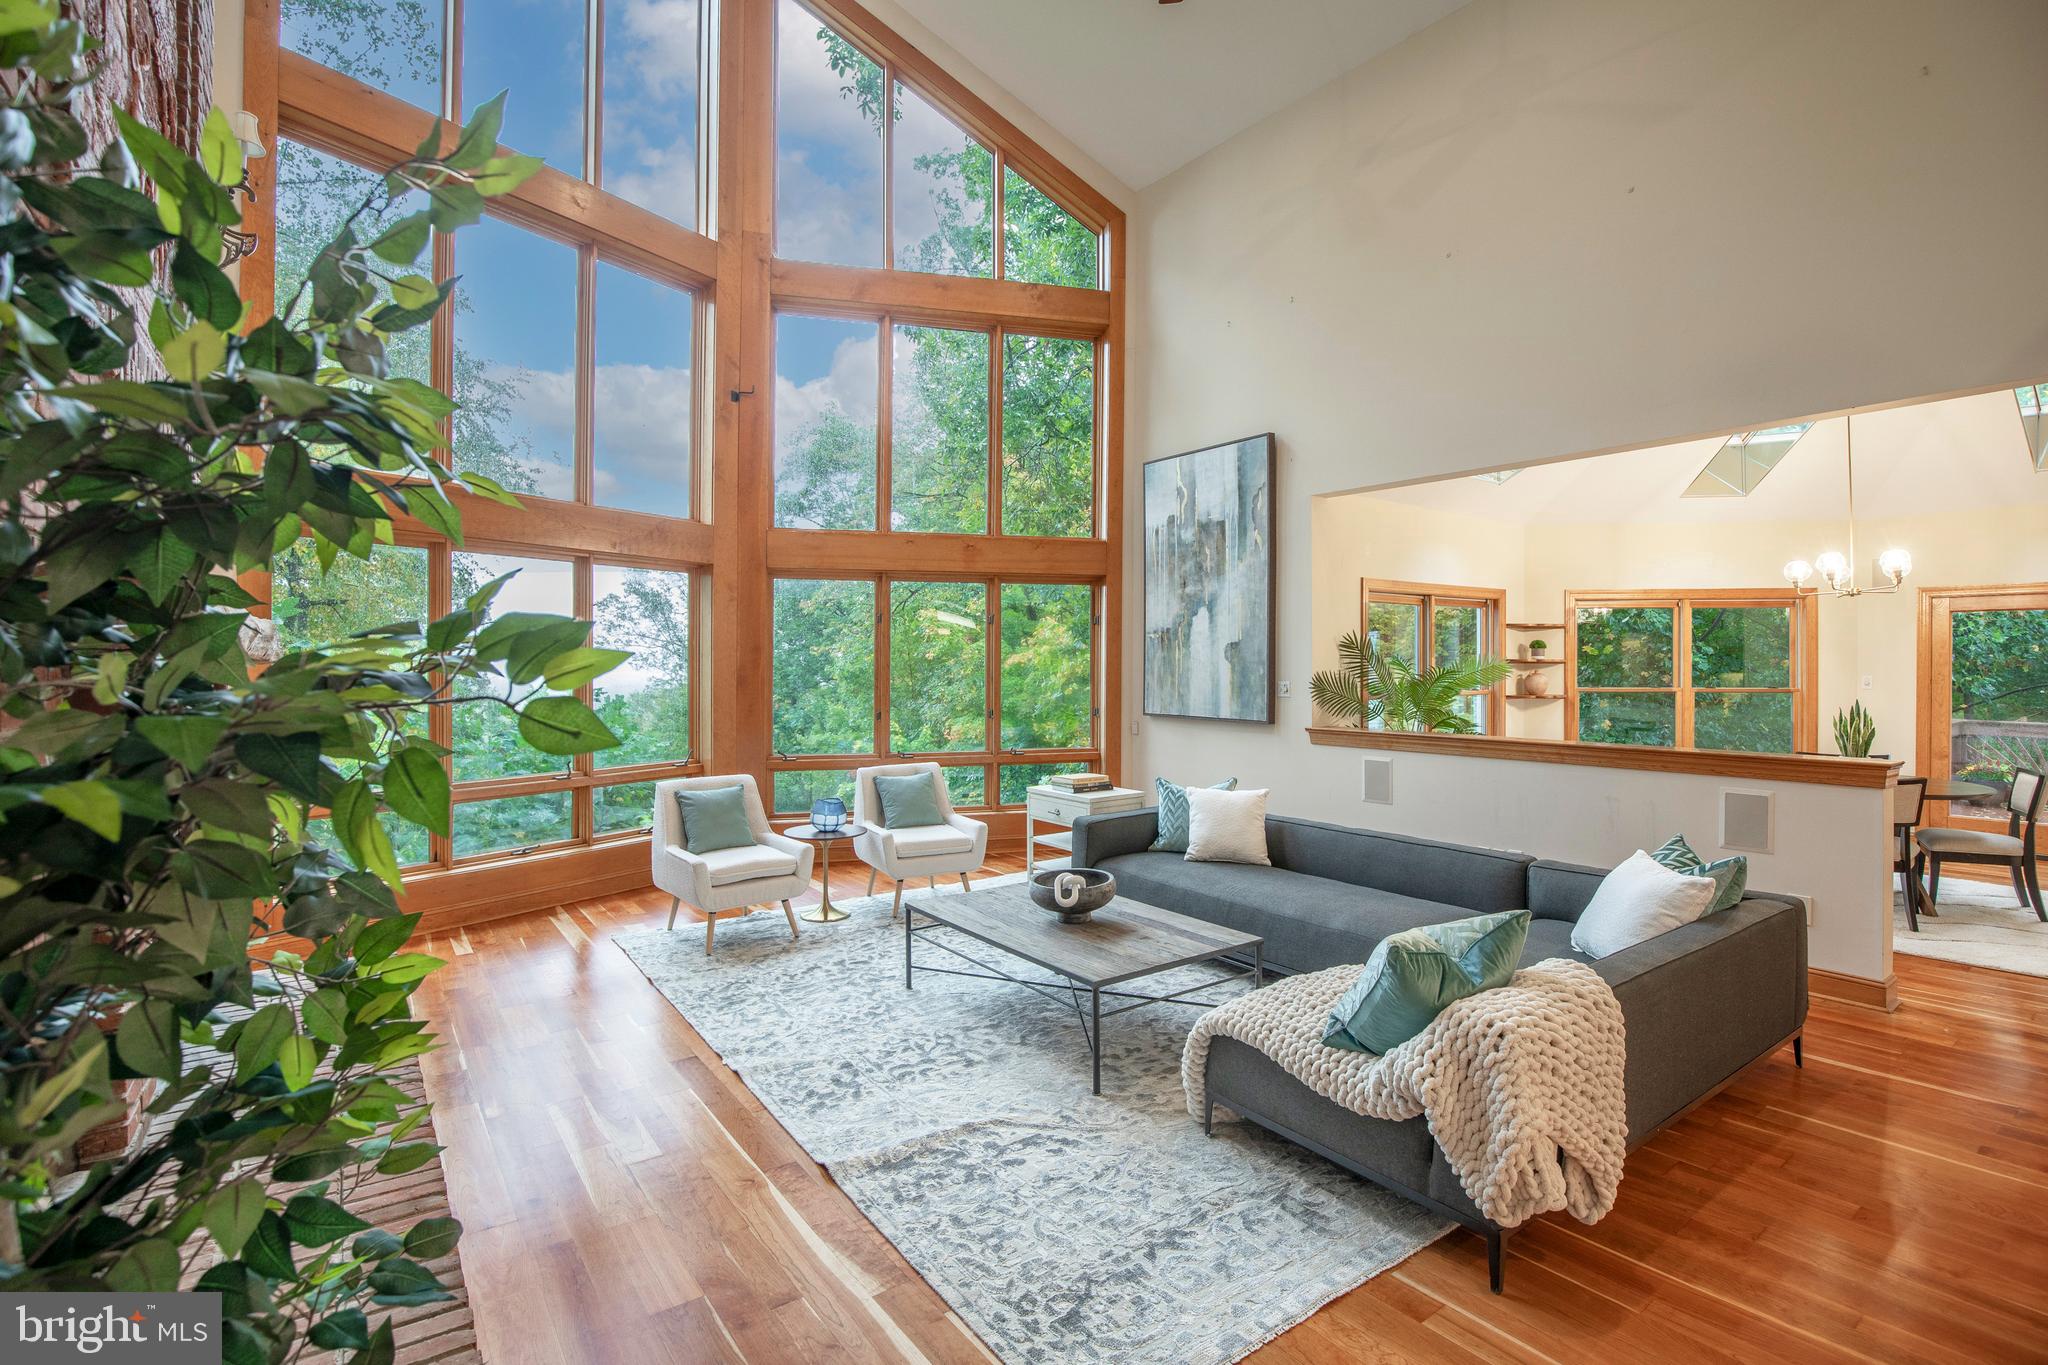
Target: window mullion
{"points": [[593, 91]]}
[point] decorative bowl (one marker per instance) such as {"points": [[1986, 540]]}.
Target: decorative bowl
{"points": [[1097, 890]]}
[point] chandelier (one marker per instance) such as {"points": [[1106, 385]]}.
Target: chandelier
{"points": [[1837, 570]]}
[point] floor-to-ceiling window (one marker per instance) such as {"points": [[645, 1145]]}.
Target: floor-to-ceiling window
{"points": [[800, 360], [1692, 670], [1983, 684]]}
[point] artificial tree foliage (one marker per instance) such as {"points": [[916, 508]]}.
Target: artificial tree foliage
{"points": [[156, 792], [1375, 686]]}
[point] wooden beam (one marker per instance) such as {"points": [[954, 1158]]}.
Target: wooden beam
{"points": [[1819, 771], [950, 300], [792, 553]]}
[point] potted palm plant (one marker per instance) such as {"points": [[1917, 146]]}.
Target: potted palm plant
{"points": [[1376, 688]]}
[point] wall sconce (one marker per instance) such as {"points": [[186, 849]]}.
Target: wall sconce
{"points": [[239, 244]]}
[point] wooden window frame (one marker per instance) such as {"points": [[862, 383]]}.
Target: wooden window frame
{"points": [[1428, 596], [729, 544], [1934, 684], [992, 756], [1805, 662]]}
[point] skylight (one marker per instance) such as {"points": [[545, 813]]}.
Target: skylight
{"points": [[2034, 422], [1742, 461], [1498, 476]]}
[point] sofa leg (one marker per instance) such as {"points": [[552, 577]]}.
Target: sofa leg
{"points": [[789, 915], [675, 903], [1799, 1050], [1493, 1260]]}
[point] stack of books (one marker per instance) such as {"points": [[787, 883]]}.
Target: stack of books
{"points": [[1081, 782]]}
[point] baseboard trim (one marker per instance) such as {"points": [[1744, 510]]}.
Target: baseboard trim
{"points": [[1854, 990]]}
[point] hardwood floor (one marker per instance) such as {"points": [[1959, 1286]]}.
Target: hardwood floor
{"points": [[628, 1200]]}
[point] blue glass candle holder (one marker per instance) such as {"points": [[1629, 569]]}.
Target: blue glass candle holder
{"points": [[828, 815]]}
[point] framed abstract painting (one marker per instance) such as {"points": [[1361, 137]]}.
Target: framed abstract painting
{"points": [[1209, 582]]}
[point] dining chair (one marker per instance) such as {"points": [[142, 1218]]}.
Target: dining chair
{"points": [[1907, 807], [2013, 850]]}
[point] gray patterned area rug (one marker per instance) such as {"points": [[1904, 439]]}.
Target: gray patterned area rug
{"points": [[1063, 1227]]}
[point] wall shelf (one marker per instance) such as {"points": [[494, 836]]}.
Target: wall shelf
{"points": [[1534, 625], [1538, 663], [1531, 696]]}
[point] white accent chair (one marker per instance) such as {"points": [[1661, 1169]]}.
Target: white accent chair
{"points": [[727, 881], [955, 848]]}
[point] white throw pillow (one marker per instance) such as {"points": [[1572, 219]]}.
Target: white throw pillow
{"points": [[1227, 827], [1636, 902]]}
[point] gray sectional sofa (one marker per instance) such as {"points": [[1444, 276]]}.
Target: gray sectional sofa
{"points": [[1701, 1002]]}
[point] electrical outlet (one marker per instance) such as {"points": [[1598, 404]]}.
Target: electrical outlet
{"points": [[1867, 682], [1286, 688]]}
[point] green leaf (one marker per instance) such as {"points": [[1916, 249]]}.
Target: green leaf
{"points": [[563, 726], [268, 1251], [479, 138], [404, 240], [150, 1266], [263, 1033], [381, 938], [296, 1059], [568, 671], [416, 786], [290, 760], [125, 398], [220, 870], [313, 1165], [406, 967], [188, 739], [196, 352], [201, 287], [484, 486], [220, 151], [147, 1040], [347, 1330], [504, 174], [399, 1283], [560, 725], [314, 1221], [111, 682], [324, 1014], [232, 1212], [44, 1099], [414, 291], [432, 1238], [92, 804], [113, 257], [48, 733], [160, 563], [382, 1349]]}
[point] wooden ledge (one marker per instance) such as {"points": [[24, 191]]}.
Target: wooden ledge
{"points": [[1819, 771]]}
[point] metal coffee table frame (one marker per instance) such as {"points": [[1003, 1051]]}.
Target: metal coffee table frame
{"points": [[1071, 987]]}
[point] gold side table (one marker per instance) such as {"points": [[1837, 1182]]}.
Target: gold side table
{"points": [[826, 912]]}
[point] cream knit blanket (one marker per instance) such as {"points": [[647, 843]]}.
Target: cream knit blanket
{"points": [[1521, 1085]]}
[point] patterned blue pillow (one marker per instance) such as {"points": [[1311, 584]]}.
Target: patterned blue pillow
{"points": [[1730, 875], [1173, 814]]}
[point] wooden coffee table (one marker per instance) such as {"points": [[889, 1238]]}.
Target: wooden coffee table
{"points": [[1121, 942]]}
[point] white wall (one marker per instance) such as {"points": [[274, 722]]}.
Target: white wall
{"points": [[1550, 227]]}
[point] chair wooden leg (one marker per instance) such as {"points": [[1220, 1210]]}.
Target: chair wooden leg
{"points": [[2034, 885], [872, 874], [675, 903], [963, 883], [789, 915], [896, 906], [1933, 882], [1913, 894], [2019, 886]]}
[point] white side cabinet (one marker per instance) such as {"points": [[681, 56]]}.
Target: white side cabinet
{"points": [[1051, 806]]}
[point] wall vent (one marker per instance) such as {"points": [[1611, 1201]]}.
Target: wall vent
{"points": [[1377, 785], [1748, 819]]}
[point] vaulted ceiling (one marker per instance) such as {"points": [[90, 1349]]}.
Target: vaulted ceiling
{"points": [[1145, 88]]}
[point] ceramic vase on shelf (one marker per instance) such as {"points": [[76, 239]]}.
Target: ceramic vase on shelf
{"points": [[1536, 683]]}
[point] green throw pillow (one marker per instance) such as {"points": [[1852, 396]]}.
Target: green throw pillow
{"points": [[1730, 875], [1414, 975], [908, 801], [714, 818], [1173, 814]]}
